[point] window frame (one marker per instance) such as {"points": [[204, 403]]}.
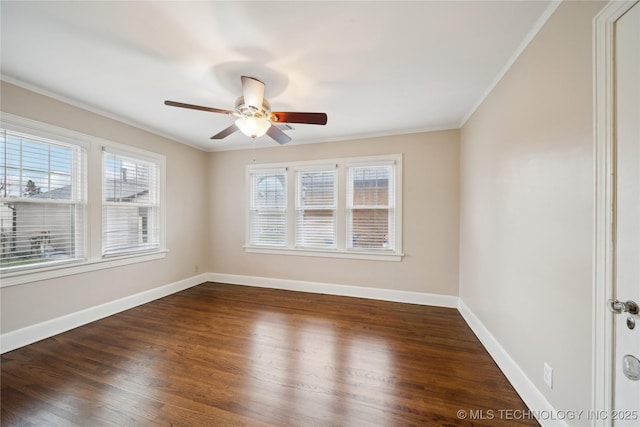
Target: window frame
{"points": [[350, 207], [299, 207], [93, 259], [78, 181], [156, 162], [251, 204], [341, 250]]}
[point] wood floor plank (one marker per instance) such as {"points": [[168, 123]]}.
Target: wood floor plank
{"points": [[228, 355]]}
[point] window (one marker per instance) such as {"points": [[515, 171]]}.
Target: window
{"points": [[346, 208], [316, 208], [130, 204], [42, 203], [370, 207], [268, 208], [54, 182]]}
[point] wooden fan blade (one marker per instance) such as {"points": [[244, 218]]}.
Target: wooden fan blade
{"points": [[253, 92], [226, 132], [279, 136], [196, 107], [305, 118]]}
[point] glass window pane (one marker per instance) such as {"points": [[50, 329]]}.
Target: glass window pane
{"points": [[316, 189], [35, 156], [370, 228], [40, 170], [316, 228], [371, 186], [268, 200], [34, 172], [33, 233], [371, 215], [315, 211], [269, 191], [267, 229], [130, 215]]}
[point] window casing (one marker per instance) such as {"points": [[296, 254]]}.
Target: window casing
{"points": [[316, 198], [130, 203], [371, 207], [348, 208], [50, 189], [42, 201], [267, 208]]}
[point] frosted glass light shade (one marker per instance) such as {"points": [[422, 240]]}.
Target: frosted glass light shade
{"points": [[253, 126]]}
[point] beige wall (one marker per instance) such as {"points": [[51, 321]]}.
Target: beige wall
{"points": [[205, 217], [430, 215], [187, 220], [527, 208], [501, 212]]}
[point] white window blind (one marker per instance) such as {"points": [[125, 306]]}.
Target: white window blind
{"points": [[371, 207], [316, 208], [130, 204], [42, 202], [341, 208], [268, 207]]}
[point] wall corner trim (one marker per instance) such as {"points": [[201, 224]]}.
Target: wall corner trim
{"points": [[334, 289], [532, 396], [30, 334]]}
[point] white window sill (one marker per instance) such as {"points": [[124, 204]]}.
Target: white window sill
{"points": [[36, 274], [376, 256]]}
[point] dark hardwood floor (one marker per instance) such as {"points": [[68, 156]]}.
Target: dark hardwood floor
{"points": [[223, 355]]}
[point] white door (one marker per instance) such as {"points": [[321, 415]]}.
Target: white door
{"points": [[626, 393]]}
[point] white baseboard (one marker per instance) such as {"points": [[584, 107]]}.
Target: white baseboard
{"points": [[529, 393], [532, 397], [332, 289], [30, 334]]}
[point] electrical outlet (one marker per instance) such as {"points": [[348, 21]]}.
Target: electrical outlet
{"points": [[197, 268], [548, 375]]}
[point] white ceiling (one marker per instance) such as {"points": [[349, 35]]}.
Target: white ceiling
{"points": [[375, 68]]}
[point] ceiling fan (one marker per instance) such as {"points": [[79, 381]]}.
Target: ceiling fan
{"points": [[255, 117]]}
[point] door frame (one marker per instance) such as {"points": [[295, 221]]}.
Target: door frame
{"points": [[604, 150]]}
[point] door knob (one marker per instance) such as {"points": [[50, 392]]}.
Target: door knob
{"points": [[618, 307], [631, 367]]}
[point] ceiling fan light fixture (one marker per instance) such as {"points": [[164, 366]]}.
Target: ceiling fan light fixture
{"points": [[253, 126], [254, 114]]}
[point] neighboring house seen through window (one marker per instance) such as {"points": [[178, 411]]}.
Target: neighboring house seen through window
{"points": [[42, 201], [371, 207], [130, 204], [48, 196]]}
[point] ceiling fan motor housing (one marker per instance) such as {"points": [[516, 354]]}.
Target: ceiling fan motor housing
{"points": [[244, 110]]}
